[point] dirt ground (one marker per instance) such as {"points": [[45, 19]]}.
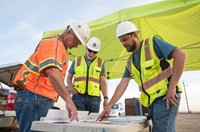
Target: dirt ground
{"points": [[185, 123]]}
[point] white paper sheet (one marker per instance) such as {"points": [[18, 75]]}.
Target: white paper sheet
{"points": [[54, 114], [61, 116]]}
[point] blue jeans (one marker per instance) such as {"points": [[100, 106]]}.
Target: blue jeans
{"points": [[84, 102], [163, 120], [30, 107]]}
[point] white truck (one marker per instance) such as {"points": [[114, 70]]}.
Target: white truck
{"points": [[8, 122], [117, 110]]}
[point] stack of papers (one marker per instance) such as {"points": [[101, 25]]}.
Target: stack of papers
{"points": [[61, 116], [54, 114]]}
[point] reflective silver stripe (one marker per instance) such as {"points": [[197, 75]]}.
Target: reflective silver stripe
{"points": [[89, 79], [99, 62], [94, 80], [35, 69], [49, 62], [79, 79], [129, 65], [79, 61], [147, 50], [24, 75], [31, 67], [163, 75]]}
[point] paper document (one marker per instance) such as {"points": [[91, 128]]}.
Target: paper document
{"points": [[61, 116], [54, 114]]}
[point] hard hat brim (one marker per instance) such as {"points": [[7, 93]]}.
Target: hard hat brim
{"points": [[138, 31]]}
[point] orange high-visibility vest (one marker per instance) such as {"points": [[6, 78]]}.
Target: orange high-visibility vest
{"points": [[50, 52]]}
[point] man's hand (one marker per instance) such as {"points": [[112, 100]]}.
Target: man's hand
{"points": [[72, 112], [105, 114], [171, 98], [19, 86], [74, 91]]}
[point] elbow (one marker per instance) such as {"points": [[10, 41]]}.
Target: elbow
{"points": [[184, 55], [180, 54]]}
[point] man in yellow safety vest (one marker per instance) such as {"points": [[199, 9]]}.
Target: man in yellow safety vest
{"points": [[158, 81], [89, 79]]}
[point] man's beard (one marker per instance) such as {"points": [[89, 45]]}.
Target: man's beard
{"points": [[132, 47], [90, 58]]}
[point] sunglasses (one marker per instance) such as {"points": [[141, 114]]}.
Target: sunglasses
{"points": [[92, 51]]}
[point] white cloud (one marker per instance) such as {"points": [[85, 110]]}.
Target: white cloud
{"points": [[20, 42]]}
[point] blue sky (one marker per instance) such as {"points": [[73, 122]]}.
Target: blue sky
{"points": [[24, 21]]}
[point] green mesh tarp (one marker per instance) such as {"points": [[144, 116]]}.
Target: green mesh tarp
{"points": [[176, 21]]}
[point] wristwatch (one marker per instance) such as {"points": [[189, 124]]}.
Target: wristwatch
{"points": [[106, 97]]}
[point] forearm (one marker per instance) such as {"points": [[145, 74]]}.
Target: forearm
{"points": [[57, 83], [69, 81], [104, 90], [70, 84], [178, 67], [119, 91], [104, 87]]}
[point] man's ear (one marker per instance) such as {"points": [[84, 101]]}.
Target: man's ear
{"points": [[68, 31], [135, 34]]}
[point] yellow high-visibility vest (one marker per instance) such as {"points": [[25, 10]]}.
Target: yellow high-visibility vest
{"points": [[153, 77], [87, 78]]}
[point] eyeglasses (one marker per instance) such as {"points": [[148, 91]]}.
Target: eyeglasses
{"points": [[92, 51]]}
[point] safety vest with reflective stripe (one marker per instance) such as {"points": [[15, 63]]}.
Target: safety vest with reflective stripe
{"points": [[153, 76], [87, 78], [49, 53]]}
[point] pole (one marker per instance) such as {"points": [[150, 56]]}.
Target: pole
{"points": [[186, 98]]}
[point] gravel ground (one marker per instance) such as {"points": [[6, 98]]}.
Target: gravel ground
{"points": [[186, 123]]}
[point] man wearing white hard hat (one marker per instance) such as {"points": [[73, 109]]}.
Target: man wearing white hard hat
{"points": [[40, 81], [89, 79], [158, 82]]}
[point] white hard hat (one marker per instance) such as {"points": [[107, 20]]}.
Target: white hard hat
{"points": [[126, 27], [94, 44], [81, 30]]}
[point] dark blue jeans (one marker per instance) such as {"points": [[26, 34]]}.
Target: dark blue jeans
{"points": [[84, 102], [30, 107], [163, 120]]}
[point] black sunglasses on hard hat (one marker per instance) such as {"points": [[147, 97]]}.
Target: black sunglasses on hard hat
{"points": [[92, 51]]}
